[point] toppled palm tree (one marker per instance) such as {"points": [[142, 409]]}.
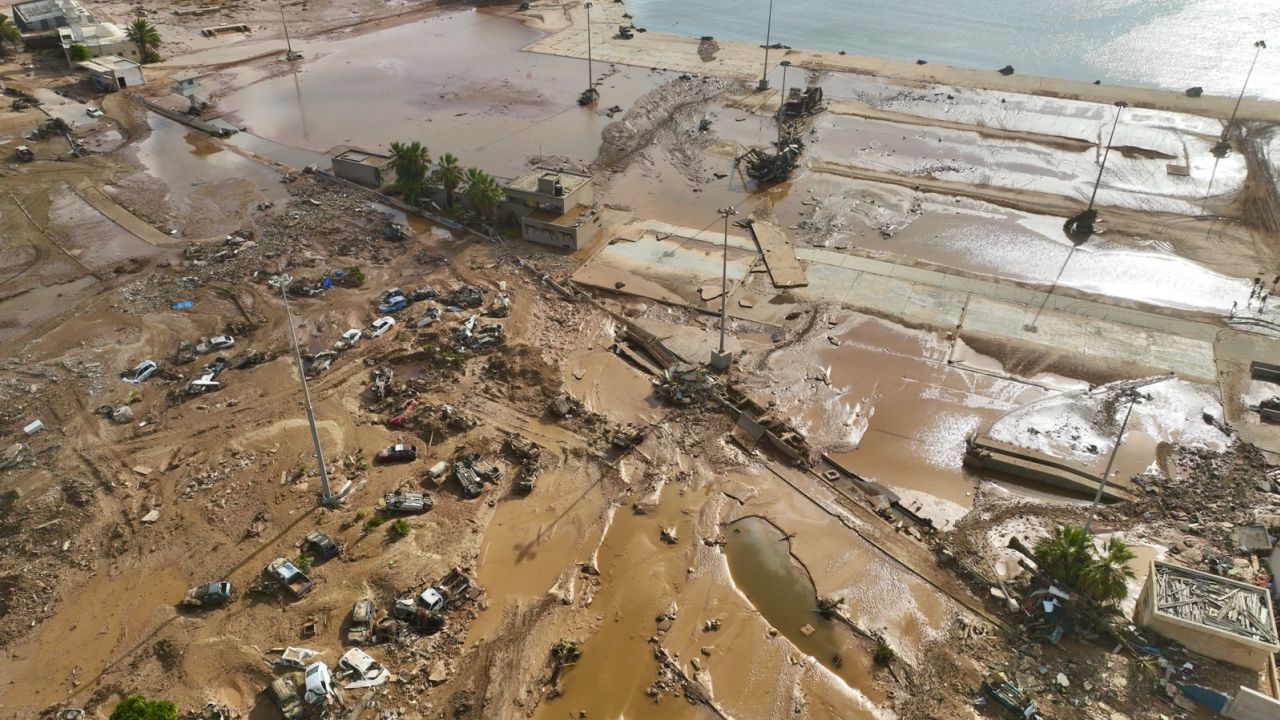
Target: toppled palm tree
{"points": [[1106, 577], [1071, 557]]}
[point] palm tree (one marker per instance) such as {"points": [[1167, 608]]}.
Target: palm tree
{"points": [[1105, 578], [143, 34], [483, 191], [410, 162], [1065, 554], [8, 32], [449, 174]]}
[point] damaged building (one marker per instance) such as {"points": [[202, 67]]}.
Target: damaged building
{"points": [[554, 207]]}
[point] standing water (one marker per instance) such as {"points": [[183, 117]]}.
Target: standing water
{"points": [[1171, 44], [780, 589]]}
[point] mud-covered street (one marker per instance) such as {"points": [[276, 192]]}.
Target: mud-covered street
{"points": [[747, 445]]}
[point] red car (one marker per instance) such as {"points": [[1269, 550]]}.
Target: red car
{"points": [[400, 452]]}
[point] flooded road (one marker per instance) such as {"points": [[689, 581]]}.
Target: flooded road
{"points": [[458, 83], [764, 570]]}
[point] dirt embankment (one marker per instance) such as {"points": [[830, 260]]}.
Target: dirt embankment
{"points": [[668, 114]]}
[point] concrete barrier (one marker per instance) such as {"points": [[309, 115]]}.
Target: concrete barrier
{"points": [[1252, 705]]}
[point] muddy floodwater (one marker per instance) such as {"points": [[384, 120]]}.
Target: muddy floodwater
{"points": [[763, 569], [457, 82]]}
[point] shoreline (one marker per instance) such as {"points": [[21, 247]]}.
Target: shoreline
{"points": [[744, 61]]}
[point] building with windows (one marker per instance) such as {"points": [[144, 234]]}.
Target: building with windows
{"points": [[98, 39], [112, 72], [38, 16], [554, 207]]}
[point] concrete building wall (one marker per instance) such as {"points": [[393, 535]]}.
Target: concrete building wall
{"points": [[558, 204], [1197, 638], [361, 173], [555, 237], [1252, 705]]}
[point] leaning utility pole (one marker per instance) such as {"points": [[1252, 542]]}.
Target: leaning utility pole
{"points": [[768, 39], [290, 54], [326, 497], [721, 360], [1224, 144]]}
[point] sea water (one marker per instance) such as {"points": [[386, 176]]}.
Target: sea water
{"points": [[1173, 44]]}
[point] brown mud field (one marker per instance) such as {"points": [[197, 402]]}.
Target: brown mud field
{"points": [[799, 536]]}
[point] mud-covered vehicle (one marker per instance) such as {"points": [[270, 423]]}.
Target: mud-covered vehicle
{"points": [[320, 546], [208, 595], [285, 696], [364, 616], [408, 502]]}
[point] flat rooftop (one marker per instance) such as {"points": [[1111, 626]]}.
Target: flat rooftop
{"points": [[570, 181], [363, 157], [37, 10], [1214, 602], [108, 63]]}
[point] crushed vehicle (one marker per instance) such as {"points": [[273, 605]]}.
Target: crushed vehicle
{"points": [[422, 293], [474, 336], [500, 307], [348, 339], [319, 684], [140, 372], [318, 363], [285, 695], [522, 448], [361, 666], [802, 103], [390, 293], [564, 405], [24, 153], [408, 502], [1006, 693], [424, 610], [364, 615], [628, 436], [217, 342], [208, 595], [381, 385], [93, 112], [395, 303], [464, 298], [398, 420], [526, 478], [288, 576], [379, 327], [471, 475], [429, 317], [320, 546], [400, 452], [294, 658]]}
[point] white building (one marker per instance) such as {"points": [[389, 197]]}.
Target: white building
{"points": [[99, 39], [112, 73]]}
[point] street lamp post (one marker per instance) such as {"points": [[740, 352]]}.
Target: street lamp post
{"points": [[591, 76], [1120, 106], [1080, 227], [1224, 145], [289, 53], [768, 39], [326, 495], [721, 360], [1111, 459], [783, 94]]}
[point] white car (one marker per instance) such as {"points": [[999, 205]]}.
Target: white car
{"points": [[319, 683], [366, 671], [351, 337], [140, 372], [93, 112], [381, 326], [221, 342]]}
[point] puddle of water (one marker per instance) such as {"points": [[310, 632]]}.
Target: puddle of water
{"points": [[781, 590], [40, 304], [458, 81], [186, 160]]}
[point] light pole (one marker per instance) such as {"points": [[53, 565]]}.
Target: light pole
{"points": [[782, 103], [1120, 106], [1224, 146], [326, 495], [289, 54], [590, 94], [721, 360], [768, 39]]}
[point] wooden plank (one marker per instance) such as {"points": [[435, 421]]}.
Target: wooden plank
{"points": [[779, 255]]}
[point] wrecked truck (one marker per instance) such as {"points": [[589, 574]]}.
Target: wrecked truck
{"points": [[288, 576]]}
